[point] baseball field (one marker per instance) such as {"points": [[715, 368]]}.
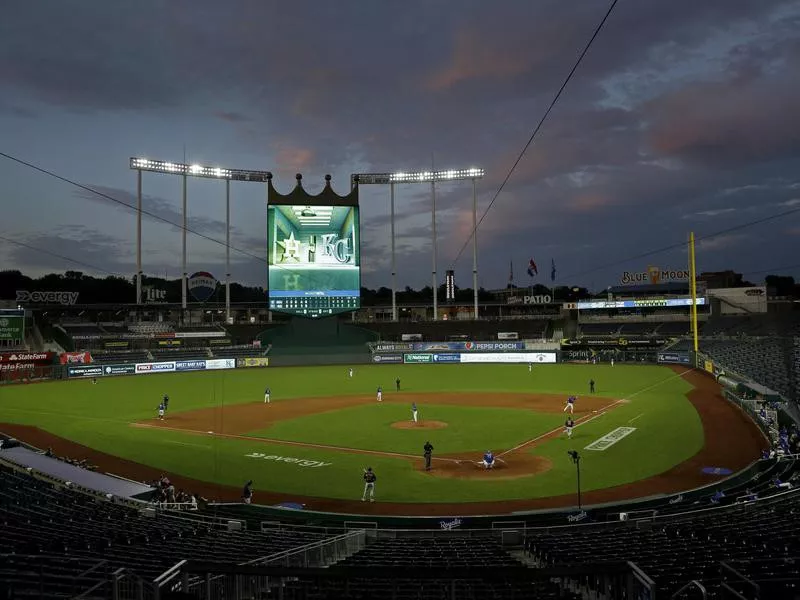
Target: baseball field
{"points": [[646, 430]]}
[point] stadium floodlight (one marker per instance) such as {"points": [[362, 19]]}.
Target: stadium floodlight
{"points": [[431, 176], [140, 164], [195, 170]]}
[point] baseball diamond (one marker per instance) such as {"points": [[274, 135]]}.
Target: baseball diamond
{"points": [[310, 444]]}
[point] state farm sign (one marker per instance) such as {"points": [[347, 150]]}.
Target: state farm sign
{"points": [[24, 357]]}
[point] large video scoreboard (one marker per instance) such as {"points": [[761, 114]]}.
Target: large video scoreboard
{"points": [[314, 257]]}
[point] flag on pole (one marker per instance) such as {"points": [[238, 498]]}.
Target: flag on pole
{"points": [[552, 269], [532, 268]]}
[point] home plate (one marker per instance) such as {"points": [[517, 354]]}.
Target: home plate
{"points": [[210, 432]]}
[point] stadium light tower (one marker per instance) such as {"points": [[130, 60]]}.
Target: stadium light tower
{"points": [[190, 170], [392, 179]]}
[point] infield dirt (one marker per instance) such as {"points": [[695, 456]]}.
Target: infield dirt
{"points": [[732, 440]]}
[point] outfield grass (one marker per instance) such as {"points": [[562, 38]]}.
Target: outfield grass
{"points": [[668, 429]]}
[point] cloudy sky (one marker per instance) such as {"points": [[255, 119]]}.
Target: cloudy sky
{"points": [[683, 116]]}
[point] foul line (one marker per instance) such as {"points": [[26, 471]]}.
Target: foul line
{"points": [[604, 410], [252, 438]]}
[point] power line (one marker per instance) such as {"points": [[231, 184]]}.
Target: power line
{"points": [[682, 244], [61, 256], [546, 114], [125, 204]]}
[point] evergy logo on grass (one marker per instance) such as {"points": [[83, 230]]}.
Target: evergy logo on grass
{"points": [[288, 459]]}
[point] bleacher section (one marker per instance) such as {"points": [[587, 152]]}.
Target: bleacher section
{"points": [[676, 551], [237, 351], [675, 328], [599, 329], [531, 329], [181, 354], [324, 337], [762, 325], [760, 359], [59, 525], [109, 358]]}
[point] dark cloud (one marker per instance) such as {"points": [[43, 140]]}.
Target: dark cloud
{"points": [[679, 117]]}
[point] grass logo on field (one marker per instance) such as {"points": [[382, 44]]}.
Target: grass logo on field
{"points": [[202, 285]]}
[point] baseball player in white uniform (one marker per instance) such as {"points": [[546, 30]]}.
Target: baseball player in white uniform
{"points": [[379, 394]]}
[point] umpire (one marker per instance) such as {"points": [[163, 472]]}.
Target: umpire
{"points": [[428, 451]]}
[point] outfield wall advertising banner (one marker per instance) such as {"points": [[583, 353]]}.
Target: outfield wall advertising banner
{"points": [[387, 359], [447, 358], [159, 367], [417, 358], [681, 358], [253, 361], [85, 371], [119, 369], [190, 365], [510, 357], [221, 363]]}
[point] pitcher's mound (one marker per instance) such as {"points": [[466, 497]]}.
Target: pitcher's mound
{"points": [[419, 425]]}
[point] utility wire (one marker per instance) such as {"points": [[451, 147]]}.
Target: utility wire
{"points": [[125, 204], [538, 127], [61, 256], [681, 244]]}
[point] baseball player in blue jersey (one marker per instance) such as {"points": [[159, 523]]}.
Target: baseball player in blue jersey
{"points": [[570, 406], [568, 425], [161, 412], [414, 412], [488, 460], [380, 394]]}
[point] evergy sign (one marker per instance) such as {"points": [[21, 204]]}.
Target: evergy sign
{"points": [[66, 298]]}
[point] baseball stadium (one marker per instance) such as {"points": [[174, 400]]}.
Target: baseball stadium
{"points": [[445, 370], [519, 428]]}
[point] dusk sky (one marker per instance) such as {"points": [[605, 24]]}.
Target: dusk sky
{"points": [[683, 116]]}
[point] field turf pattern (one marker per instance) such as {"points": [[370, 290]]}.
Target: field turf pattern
{"points": [[668, 429]]}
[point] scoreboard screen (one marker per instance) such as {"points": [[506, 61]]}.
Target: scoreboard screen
{"points": [[313, 259]]}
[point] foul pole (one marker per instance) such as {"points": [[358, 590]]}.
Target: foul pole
{"points": [[693, 285]]}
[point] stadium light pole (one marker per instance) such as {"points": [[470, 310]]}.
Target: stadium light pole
{"points": [[186, 170], [576, 458], [392, 179], [138, 236]]}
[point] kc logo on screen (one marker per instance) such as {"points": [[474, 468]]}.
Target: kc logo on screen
{"points": [[337, 248]]}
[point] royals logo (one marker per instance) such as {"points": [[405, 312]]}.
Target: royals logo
{"points": [[338, 248]]}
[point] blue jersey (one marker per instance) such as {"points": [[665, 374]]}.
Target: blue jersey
{"points": [[160, 407], [488, 458], [380, 390], [414, 407], [571, 400]]}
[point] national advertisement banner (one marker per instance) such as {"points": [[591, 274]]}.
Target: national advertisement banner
{"points": [[211, 333], [417, 358], [221, 363], [682, 358], [71, 358], [85, 371], [447, 358], [387, 359], [170, 343], [12, 327], [190, 365], [128, 369], [613, 342], [157, 367], [510, 357], [116, 345], [38, 358], [252, 361]]}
